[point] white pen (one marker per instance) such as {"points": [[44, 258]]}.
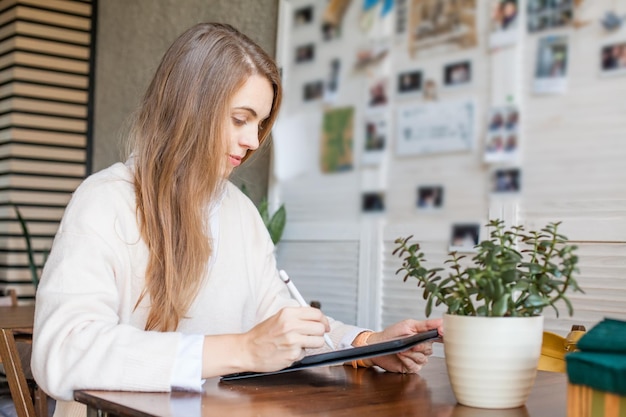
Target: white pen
{"points": [[296, 294]]}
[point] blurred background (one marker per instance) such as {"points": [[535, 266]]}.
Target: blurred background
{"points": [[431, 117], [405, 117]]}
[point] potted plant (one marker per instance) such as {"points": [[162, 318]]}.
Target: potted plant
{"points": [[493, 324]]}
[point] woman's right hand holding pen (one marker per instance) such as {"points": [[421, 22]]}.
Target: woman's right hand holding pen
{"points": [[281, 339], [273, 344]]}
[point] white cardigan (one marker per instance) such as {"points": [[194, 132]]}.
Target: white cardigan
{"points": [[87, 333]]}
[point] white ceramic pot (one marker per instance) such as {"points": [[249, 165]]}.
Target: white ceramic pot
{"points": [[492, 361]]}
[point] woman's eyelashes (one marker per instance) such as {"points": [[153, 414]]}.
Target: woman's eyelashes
{"points": [[243, 121], [239, 121]]}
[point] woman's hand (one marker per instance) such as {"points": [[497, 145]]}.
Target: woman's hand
{"points": [[279, 341], [411, 360]]}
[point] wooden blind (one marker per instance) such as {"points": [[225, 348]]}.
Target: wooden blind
{"points": [[46, 74]]}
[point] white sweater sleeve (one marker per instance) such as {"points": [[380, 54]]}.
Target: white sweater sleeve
{"points": [[187, 372]]}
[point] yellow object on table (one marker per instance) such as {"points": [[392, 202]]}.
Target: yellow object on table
{"points": [[552, 353], [554, 348]]}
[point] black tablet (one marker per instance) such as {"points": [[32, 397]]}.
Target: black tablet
{"points": [[346, 355]]}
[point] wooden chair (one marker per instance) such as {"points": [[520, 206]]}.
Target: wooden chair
{"points": [[8, 298], [18, 386], [22, 392]]}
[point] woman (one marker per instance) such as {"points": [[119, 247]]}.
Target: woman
{"points": [[162, 272]]}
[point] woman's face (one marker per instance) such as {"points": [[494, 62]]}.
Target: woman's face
{"points": [[249, 108]]}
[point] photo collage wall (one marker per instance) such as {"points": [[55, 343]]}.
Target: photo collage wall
{"points": [[414, 100]]}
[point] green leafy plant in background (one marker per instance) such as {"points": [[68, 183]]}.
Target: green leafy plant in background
{"points": [[501, 281], [275, 223], [30, 251]]}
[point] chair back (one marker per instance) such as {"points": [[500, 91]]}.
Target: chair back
{"points": [[20, 392], [8, 298]]}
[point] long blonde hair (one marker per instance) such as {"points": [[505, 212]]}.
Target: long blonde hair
{"points": [[179, 145]]}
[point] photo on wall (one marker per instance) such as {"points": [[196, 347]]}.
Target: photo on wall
{"points": [[441, 25], [332, 81], [458, 73], [337, 140], [409, 83], [371, 55], [376, 134], [429, 197], [430, 90], [464, 237], [548, 14], [435, 127], [373, 11], [378, 91], [504, 26], [313, 90], [305, 53], [303, 16], [502, 139], [373, 202], [401, 17], [332, 19], [551, 65], [613, 58], [506, 181]]}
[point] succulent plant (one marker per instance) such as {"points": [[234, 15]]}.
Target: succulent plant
{"points": [[501, 280]]}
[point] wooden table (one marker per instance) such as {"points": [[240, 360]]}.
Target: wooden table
{"points": [[326, 391]]}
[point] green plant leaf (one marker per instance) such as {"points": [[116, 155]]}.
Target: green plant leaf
{"points": [[429, 307], [535, 300], [521, 285], [500, 307], [264, 211], [454, 306], [30, 252], [509, 276], [276, 225], [533, 268]]}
